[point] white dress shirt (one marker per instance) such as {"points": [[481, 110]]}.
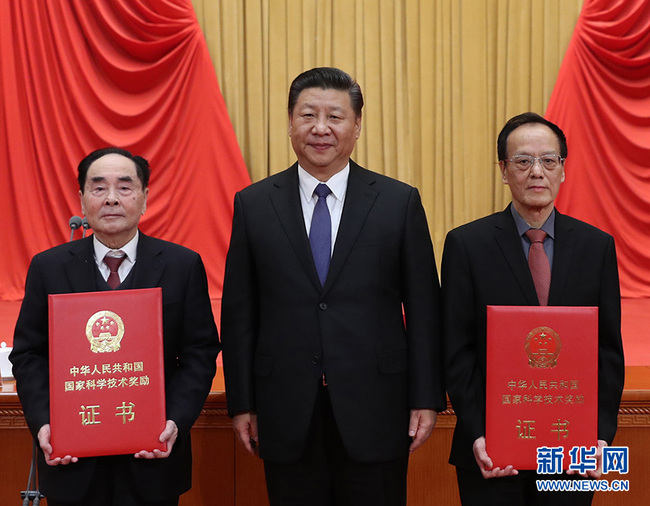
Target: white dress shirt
{"points": [[338, 184], [130, 249]]}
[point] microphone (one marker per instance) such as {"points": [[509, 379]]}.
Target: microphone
{"points": [[85, 225], [75, 222]]}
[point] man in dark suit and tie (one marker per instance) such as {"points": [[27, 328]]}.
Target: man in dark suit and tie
{"points": [[330, 316], [486, 262], [113, 191]]}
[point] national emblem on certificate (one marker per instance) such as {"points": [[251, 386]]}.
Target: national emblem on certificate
{"points": [[541, 381], [107, 390]]}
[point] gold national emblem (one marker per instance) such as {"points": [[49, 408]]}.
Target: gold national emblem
{"points": [[104, 331], [543, 346]]}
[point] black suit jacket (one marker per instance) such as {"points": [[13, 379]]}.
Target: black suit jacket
{"points": [[281, 330], [484, 264], [191, 346]]}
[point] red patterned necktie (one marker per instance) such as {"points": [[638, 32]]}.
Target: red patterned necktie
{"points": [[114, 264], [539, 265]]}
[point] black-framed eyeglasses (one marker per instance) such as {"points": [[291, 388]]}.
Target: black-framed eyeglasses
{"points": [[526, 162]]}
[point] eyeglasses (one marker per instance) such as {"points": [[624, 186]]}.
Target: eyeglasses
{"points": [[526, 162]]}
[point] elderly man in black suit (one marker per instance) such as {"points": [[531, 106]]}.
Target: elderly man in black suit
{"points": [[485, 262], [330, 317], [113, 190]]}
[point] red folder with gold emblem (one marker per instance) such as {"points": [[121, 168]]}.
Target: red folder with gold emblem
{"points": [[541, 382], [107, 387]]}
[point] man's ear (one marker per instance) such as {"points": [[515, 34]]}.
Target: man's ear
{"points": [[504, 172], [144, 205]]}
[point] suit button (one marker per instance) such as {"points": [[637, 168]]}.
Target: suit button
{"points": [[323, 306], [315, 360]]}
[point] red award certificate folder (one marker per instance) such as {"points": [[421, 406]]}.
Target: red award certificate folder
{"points": [[107, 388], [541, 382]]}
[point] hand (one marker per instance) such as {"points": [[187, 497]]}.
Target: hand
{"points": [[599, 459], [169, 436], [44, 435], [485, 462], [245, 426], [421, 426]]}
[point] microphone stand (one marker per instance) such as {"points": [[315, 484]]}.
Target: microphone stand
{"points": [[30, 494]]}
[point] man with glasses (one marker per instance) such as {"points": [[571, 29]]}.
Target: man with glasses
{"points": [[485, 262]]}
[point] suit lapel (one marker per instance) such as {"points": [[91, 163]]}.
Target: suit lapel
{"points": [[510, 244], [285, 199], [80, 266], [151, 268], [563, 248], [81, 270], [359, 199]]}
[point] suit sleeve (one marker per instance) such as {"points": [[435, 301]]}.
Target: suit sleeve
{"points": [[199, 347], [421, 301], [239, 315], [611, 366], [465, 383], [30, 355]]}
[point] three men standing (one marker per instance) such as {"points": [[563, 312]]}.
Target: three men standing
{"points": [[331, 321]]}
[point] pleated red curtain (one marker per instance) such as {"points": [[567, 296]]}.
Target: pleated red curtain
{"points": [[602, 102], [77, 75]]}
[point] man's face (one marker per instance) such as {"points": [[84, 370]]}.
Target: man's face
{"points": [[323, 130], [533, 190], [113, 199]]}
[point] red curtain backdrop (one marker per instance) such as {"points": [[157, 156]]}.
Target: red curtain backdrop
{"points": [[77, 75], [602, 102]]}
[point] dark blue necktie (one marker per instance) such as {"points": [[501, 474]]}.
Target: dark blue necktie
{"points": [[320, 233]]}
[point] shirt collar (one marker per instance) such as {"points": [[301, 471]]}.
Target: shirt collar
{"points": [[130, 248], [338, 183], [523, 227]]}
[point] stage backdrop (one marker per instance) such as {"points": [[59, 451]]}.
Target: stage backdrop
{"points": [[602, 101], [77, 75]]}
